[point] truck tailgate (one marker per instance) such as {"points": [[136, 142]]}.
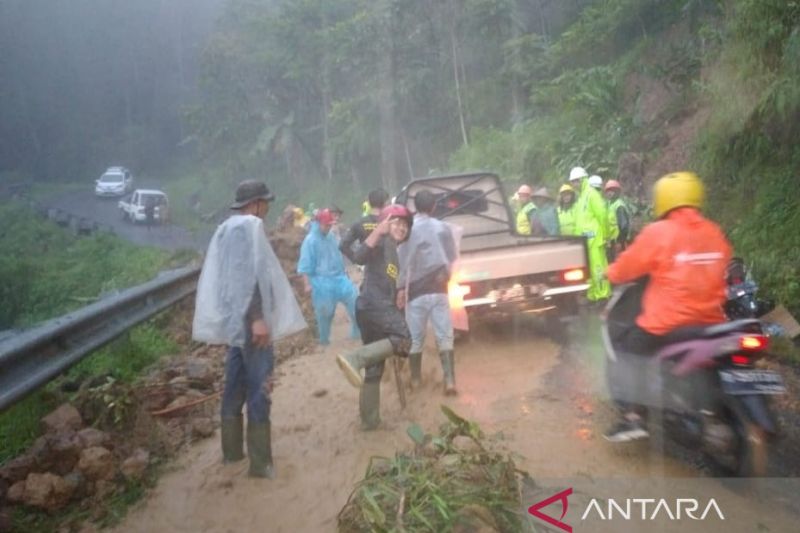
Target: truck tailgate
{"points": [[520, 258]]}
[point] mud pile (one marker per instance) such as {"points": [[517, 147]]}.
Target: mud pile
{"points": [[448, 482], [286, 244]]}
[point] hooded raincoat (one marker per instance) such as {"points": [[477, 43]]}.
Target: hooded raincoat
{"points": [[239, 262], [322, 262]]}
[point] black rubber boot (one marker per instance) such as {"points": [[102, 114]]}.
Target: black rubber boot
{"points": [[369, 404], [369, 354], [448, 370], [232, 432], [259, 448], [415, 363]]}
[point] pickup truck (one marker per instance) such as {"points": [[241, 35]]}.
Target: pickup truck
{"points": [[500, 273], [133, 208]]}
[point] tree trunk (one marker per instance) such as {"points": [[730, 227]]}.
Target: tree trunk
{"points": [[386, 107], [457, 78]]}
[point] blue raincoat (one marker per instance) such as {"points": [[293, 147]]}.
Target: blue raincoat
{"points": [[322, 262]]}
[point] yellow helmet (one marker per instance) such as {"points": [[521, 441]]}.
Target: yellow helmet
{"points": [[566, 188], [679, 189]]}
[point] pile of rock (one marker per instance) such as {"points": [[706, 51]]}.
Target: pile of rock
{"points": [[286, 244], [68, 462]]}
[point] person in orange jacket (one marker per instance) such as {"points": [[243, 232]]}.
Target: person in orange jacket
{"points": [[685, 256]]}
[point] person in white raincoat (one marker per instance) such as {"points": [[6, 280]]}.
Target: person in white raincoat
{"points": [[426, 264], [244, 301]]}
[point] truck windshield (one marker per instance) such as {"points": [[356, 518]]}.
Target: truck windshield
{"points": [[471, 201]]}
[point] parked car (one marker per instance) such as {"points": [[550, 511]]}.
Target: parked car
{"points": [[134, 207], [115, 181]]}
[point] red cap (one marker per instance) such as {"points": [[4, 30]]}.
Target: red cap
{"points": [[325, 216]]}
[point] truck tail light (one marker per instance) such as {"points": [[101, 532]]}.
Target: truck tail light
{"points": [[573, 275], [456, 293]]}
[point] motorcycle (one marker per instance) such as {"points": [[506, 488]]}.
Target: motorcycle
{"points": [[702, 388]]}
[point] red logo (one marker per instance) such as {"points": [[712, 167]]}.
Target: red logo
{"points": [[562, 496]]}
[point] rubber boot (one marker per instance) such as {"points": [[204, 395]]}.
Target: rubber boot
{"points": [[232, 431], [369, 404], [369, 354], [448, 370], [415, 363], [259, 448]]}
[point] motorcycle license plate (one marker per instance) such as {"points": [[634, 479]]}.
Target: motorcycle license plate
{"points": [[751, 382]]}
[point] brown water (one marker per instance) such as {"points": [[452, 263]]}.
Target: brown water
{"points": [[515, 385]]}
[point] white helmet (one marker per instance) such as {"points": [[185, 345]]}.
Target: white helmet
{"points": [[578, 173], [596, 182]]}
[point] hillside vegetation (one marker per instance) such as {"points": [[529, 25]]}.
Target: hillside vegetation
{"points": [[328, 99]]}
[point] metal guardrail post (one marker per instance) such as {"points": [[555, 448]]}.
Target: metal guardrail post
{"points": [[36, 356]]}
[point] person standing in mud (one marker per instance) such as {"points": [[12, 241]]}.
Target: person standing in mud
{"points": [[244, 301], [426, 263], [382, 324], [324, 276], [359, 231]]}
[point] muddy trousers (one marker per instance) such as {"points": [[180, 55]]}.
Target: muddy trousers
{"points": [[247, 371], [376, 325], [436, 308], [599, 287]]}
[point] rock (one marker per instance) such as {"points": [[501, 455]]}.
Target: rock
{"points": [[178, 384], [3, 489], [91, 437], [193, 394], [474, 519], [78, 483], [177, 402], [6, 525], [66, 417], [202, 427], [200, 371], [463, 444], [96, 463], [16, 492], [134, 466], [40, 451], [47, 491], [448, 461], [18, 468], [159, 398], [103, 489], [65, 450]]}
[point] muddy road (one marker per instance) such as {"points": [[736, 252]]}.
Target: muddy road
{"points": [[104, 211], [530, 396]]}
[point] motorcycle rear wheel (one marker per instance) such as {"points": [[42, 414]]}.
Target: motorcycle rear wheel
{"points": [[750, 456]]}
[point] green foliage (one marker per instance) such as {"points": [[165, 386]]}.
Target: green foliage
{"points": [[45, 271], [748, 151], [439, 487], [606, 29], [19, 426]]}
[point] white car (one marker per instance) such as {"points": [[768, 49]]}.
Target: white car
{"points": [[115, 181], [134, 208]]}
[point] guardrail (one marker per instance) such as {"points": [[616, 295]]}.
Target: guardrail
{"points": [[36, 356]]}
